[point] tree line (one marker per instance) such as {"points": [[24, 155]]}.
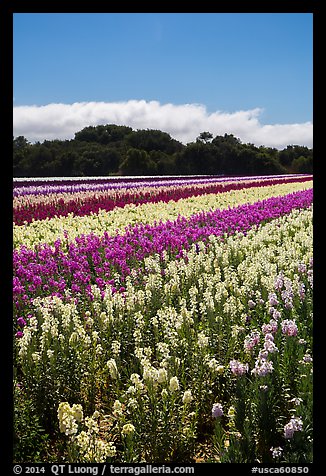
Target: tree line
{"points": [[119, 150]]}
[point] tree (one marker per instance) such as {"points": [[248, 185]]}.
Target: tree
{"points": [[20, 143], [152, 139], [21, 149], [137, 162], [204, 137], [197, 159], [103, 134], [302, 165]]}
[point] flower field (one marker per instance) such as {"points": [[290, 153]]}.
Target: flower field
{"points": [[164, 320]]}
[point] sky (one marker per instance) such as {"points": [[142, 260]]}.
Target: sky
{"points": [[249, 74]]}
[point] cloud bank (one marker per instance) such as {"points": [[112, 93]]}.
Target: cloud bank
{"points": [[183, 122]]}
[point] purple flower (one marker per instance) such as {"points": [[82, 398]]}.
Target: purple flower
{"points": [[287, 298], [273, 301], [108, 194], [302, 291], [269, 345], [276, 452], [278, 283], [73, 263], [276, 314], [262, 368], [302, 268], [21, 322], [19, 334], [307, 358], [217, 410], [295, 424], [248, 319]]}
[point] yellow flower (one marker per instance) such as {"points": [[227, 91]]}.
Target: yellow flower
{"points": [[231, 412]]}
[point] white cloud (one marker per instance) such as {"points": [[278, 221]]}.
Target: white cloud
{"points": [[183, 122]]}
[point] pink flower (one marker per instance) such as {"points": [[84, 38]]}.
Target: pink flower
{"points": [[251, 340], [289, 327], [271, 327], [269, 345], [237, 368]]}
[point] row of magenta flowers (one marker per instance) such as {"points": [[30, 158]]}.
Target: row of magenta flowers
{"points": [[80, 201], [110, 259]]}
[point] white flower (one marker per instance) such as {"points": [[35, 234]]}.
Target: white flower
{"points": [[231, 412], [187, 397], [113, 369], [115, 346], [77, 412], [174, 384], [162, 375], [276, 452], [91, 425], [36, 356], [150, 373], [164, 394], [67, 420], [202, 340], [215, 366], [117, 408]]}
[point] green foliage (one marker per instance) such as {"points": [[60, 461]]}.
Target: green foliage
{"points": [[204, 137], [137, 162], [103, 134], [30, 440]]}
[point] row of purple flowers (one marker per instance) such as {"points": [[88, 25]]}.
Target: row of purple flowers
{"points": [[91, 259], [46, 187]]}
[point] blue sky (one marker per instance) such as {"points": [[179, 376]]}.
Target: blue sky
{"points": [[226, 63]]}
